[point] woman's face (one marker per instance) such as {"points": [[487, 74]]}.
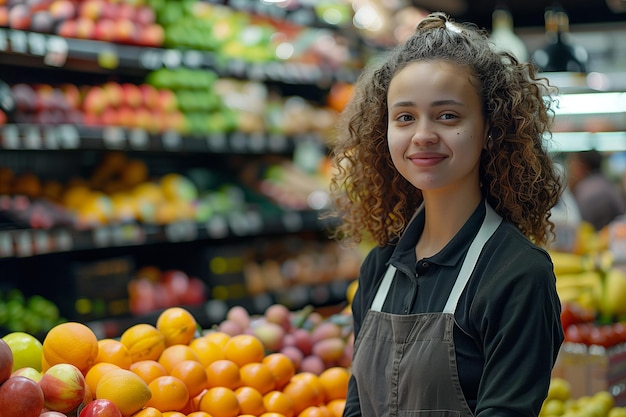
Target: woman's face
{"points": [[436, 128]]}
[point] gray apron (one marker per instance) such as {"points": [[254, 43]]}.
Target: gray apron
{"points": [[405, 365]]}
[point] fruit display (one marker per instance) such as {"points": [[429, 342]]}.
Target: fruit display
{"points": [[560, 402], [173, 368]]}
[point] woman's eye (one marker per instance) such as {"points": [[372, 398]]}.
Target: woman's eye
{"points": [[448, 116], [404, 118]]}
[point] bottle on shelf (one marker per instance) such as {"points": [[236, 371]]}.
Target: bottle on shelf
{"points": [[560, 54], [503, 35]]}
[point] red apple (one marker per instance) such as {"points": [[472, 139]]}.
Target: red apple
{"points": [[176, 282], [91, 9], [100, 408], [196, 292], [6, 361], [85, 28], [20, 396], [63, 386], [145, 15], [124, 30], [150, 35], [149, 96], [52, 414], [67, 29], [4, 16], [62, 10], [131, 95], [105, 30], [113, 93], [94, 101], [168, 102], [19, 17]]}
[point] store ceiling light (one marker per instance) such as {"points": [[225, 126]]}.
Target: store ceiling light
{"points": [[591, 103]]}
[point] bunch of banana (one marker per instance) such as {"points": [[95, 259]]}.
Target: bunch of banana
{"points": [[578, 279]]}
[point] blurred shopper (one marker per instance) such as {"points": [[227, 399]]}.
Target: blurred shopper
{"points": [[599, 199]]}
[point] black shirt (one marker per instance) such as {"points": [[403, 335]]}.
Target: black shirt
{"points": [[508, 329]]}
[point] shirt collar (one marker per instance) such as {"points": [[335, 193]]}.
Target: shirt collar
{"points": [[451, 254]]}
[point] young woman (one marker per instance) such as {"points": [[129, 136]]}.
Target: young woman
{"points": [[441, 162]]}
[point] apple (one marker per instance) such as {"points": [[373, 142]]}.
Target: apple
{"points": [[271, 334], [176, 282], [168, 101], [85, 28], [150, 35], [131, 95], [20, 396], [62, 10], [124, 30], [26, 348], [6, 361], [50, 413], [63, 386], [279, 314], [104, 30], [91, 9], [28, 372], [100, 408], [19, 17]]}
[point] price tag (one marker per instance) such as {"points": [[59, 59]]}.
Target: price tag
{"points": [[256, 72], [274, 71], [57, 51], [217, 228], [257, 142], [19, 41], [32, 137], [113, 137], [68, 136], [193, 59], [6, 245], [216, 142], [63, 240], [277, 142], [172, 58], [37, 44], [102, 237], [10, 137], [4, 43], [50, 138], [42, 241], [171, 140], [238, 141], [238, 223], [150, 58], [292, 220], [255, 221], [138, 139], [237, 67], [183, 231], [24, 243]]}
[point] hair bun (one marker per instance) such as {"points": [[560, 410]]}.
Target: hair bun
{"points": [[433, 20]]}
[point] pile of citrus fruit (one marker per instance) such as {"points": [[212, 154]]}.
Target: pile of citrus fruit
{"points": [[171, 369]]}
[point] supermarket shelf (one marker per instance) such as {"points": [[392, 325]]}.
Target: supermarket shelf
{"points": [[52, 51], [28, 242], [76, 137], [214, 311]]}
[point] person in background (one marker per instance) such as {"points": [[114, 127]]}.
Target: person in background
{"points": [[598, 198], [440, 160]]}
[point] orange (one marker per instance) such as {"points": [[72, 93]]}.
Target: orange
{"points": [[223, 373], [278, 402], [125, 389], [315, 411], [207, 350], [220, 402], [243, 349], [148, 412], [193, 374], [173, 414], [72, 343], [113, 351], [199, 414], [257, 375], [148, 369], [168, 394], [281, 366], [271, 414], [336, 407], [177, 325], [143, 341], [250, 401], [302, 394], [313, 380], [334, 382], [93, 375], [217, 337], [174, 354]]}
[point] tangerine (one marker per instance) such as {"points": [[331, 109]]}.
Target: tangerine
{"points": [[243, 349], [115, 352], [315, 411], [223, 373], [336, 407], [174, 354], [250, 401], [278, 402], [207, 350], [177, 325], [148, 412], [148, 369], [200, 414], [193, 374], [125, 389], [281, 367], [173, 414], [313, 380], [257, 375], [334, 383], [95, 373], [168, 394], [217, 337], [72, 343], [143, 341], [220, 402], [302, 394]]}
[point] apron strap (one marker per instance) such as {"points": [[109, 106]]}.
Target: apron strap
{"points": [[490, 224]]}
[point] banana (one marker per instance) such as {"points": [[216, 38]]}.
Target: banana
{"points": [[570, 263]]}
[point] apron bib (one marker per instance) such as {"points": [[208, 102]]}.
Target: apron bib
{"points": [[405, 365]]}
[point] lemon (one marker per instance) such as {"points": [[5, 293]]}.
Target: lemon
{"points": [[125, 389], [27, 350]]}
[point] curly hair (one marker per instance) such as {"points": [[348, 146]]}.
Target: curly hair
{"points": [[517, 174]]}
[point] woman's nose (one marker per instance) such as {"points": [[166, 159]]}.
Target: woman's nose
{"points": [[424, 133]]}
